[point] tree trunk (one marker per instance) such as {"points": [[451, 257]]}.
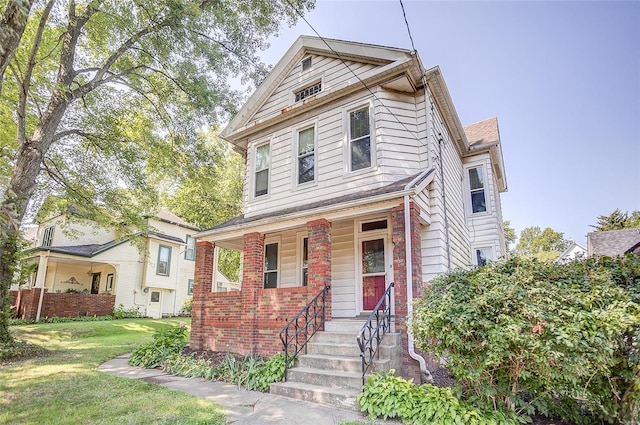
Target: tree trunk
{"points": [[12, 26]]}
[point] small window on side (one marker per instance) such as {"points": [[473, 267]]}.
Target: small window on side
{"points": [[190, 250], [476, 186], [483, 256], [306, 63], [190, 287], [164, 260], [271, 265]]}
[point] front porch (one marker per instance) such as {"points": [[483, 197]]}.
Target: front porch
{"points": [[352, 255]]}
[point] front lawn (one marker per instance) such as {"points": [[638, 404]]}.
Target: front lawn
{"points": [[64, 387]]}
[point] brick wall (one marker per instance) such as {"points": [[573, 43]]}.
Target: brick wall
{"points": [[320, 258], [250, 320], [410, 367], [63, 305]]}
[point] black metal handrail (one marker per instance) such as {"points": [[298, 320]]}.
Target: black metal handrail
{"points": [[371, 335], [301, 328]]}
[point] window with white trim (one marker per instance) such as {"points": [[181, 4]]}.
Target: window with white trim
{"points": [[306, 151], [359, 139], [304, 265], [476, 186], [164, 260], [482, 256], [190, 287], [306, 63], [47, 235], [271, 265], [190, 250], [261, 176]]}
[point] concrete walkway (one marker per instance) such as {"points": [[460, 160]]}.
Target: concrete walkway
{"points": [[242, 406]]}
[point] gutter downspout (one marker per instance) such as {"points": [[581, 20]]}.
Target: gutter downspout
{"points": [[426, 375]]}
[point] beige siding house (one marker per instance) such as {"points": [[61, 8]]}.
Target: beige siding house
{"points": [[81, 258], [355, 156]]}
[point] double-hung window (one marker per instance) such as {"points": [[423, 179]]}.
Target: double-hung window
{"points": [[261, 178], [189, 286], [306, 151], [271, 265], [476, 185], [190, 250], [47, 236], [305, 261], [164, 260], [359, 139]]}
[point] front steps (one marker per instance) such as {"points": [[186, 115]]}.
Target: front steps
{"points": [[330, 371]]}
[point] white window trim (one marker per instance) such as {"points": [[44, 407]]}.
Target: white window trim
{"points": [[160, 246], [50, 232], [294, 149], [306, 71], [310, 81], [487, 198], [347, 137], [254, 152], [474, 258], [278, 241], [190, 283], [186, 248], [299, 256]]}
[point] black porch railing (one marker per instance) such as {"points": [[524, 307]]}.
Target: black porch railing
{"points": [[301, 328], [374, 330]]}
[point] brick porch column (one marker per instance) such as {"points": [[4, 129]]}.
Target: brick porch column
{"points": [[320, 259], [252, 282], [202, 284], [410, 367]]}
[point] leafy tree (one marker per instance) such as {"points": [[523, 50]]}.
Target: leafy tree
{"points": [[545, 245], [617, 220], [98, 95], [210, 192], [509, 234]]}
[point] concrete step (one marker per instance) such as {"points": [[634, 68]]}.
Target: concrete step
{"points": [[322, 361], [344, 325], [334, 349], [333, 337], [325, 378], [344, 398]]}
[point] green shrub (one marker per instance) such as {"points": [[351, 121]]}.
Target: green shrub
{"points": [[120, 312], [165, 344], [55, 319], [387, 396], [533, 337], [252, 372], [187, 305]]}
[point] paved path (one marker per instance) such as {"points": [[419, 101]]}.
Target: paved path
{"points": [[241, 406]]}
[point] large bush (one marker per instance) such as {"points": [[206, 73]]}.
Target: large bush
{"points": [[543, 338]]}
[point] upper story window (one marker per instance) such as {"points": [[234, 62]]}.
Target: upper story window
{"points": [[306, 148], [308, 91], [476, 185], [164, 260], [262, 162], [271, 265], [306, 63], [47, 235], [359, 139], [190, 250]]}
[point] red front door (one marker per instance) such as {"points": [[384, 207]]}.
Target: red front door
{"points": [[373, 272]]}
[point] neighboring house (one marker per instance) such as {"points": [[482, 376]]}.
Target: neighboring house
{"points": [[355, 156], [574, 252], [613, 242], [86, 269]]}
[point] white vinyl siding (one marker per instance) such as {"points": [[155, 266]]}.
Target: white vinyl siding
{"points": [[333, 73]]}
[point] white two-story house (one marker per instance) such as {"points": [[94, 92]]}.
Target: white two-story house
{"points": [[355, 156], [83, 269]]}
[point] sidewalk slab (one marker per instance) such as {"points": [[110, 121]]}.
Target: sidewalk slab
{"points": [[241, 406]]}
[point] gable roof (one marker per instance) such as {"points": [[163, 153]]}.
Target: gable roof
{"points": [[484, 136], [613, 242]]}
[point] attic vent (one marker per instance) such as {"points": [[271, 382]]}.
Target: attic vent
{"points": [[309, 91], [306, 63]]}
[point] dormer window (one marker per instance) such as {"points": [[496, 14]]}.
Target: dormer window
{"points": [[306, 63], [308, 91]]}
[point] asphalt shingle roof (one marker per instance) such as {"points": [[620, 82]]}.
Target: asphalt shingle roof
{"points": [[613, 242], [483, 132]]}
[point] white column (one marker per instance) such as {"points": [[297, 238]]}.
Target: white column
{"points": [[40, 278]]}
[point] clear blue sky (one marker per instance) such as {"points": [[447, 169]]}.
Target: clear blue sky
{"points": [[563, 78]]}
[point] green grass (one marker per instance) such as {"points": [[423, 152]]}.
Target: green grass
{"points": [[64, 387]]}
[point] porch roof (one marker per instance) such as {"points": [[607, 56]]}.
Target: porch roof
{"points": [[395, 189], [91, 250]]}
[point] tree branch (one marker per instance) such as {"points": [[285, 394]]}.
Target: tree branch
{"points": [[14, 21]]}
